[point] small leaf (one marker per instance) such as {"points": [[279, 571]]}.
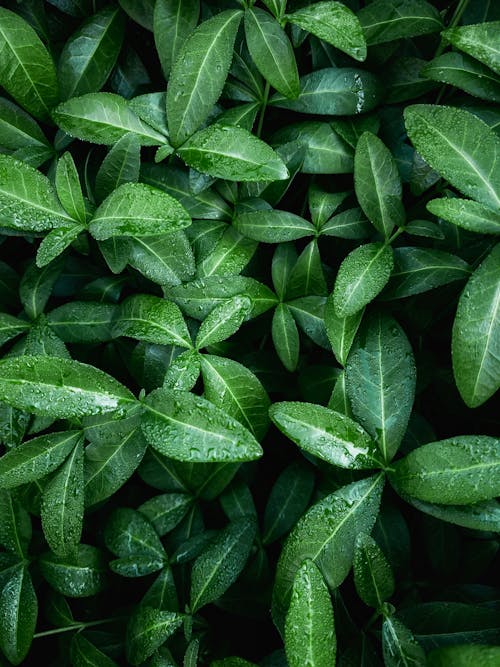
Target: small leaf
{"points": [[373, 576], [121, 165], [15, 526], [273, 226], [464, 656], [220, 565], [174, 21], [56, 242], [36, 287], [479, 41], [341, 330], [286, 337], [309, 628], [83, 321], [18, 614], [147, 630], [467, 214], [223, 321], [399, 645], [10, 327], [387, 20], [81, 575], [166, 511], [128, 534]]}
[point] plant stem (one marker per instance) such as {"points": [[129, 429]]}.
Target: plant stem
{"points": [[263, 108], [75, 626]]}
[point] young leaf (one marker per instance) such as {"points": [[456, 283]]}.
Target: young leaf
{"points": [[18, 614], [220, 565], [166, 511], [185, 427], [82, 575], [272, 52], [361, 277], [15, 526], [199, 73], [335, 24], [326, 534], [378, 184], [387, 20], [341, 330], [27, 70], [56, 242], [467, 214], [136, 209], [326, 434], [62, 505], [399, 645], [285, 337], [380, 381], [121, 165], [457, 471], [373, 576], [90, 53], [476, 334], [232, 153], [479, 41], [36, 287], [460, 147], [147, 630], [309, 628], [164, 259], [223, 321], [59, 387]]}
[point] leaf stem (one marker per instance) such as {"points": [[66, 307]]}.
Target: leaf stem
{"points": [[265, 98], [75, 626], [397, 233]]}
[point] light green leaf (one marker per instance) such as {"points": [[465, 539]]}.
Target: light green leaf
{"points": [[137, 209], [152, 319], [27, 70], [223, 321], [457, 471], [55, 387], [361, 277], [380, 381], [147, 630], [183, 372], [36, 458], [479, 41], [232, 153], [326, 534], [387, 20], [309, 628], [271, 51], [285, 337], [467, 214], [103, 118], [221, 563], [460, 147], [164, 259], [62, 505], [373, 576], [273, 226], [90, 53], [27, 199], [199, 73], [18, 614], [341, 330], [399, 646], [335, 24], [186, 427], [476, 334], [329, 435], [56, 242], [11, 326], [378, 184], [121, 165], [174, 21]]}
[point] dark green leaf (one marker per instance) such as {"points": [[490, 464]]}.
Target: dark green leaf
{"points": [[121, 165], [387, 20], [18, 614], [83, 321], [285, 337], [147, 630], [479, 41], [174, 21], [273, 226], [82, 575], [467, 214], [457, 69], [85, 654], [399, 645], [373, 576]]}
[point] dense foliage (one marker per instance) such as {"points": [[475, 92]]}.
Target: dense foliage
{"points": [[250, 302]]}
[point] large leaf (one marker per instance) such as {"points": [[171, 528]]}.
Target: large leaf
{"points": [[18, 614], [149, 628], [59, 387], [457, 471], [273, 226], [189, 428], [460, 147], [476, 334], [387, 20], [199, 73], [27, 70], [223, 321], [80, 576], [461, 71], [309, 629], [174, 21], [479, 41], [467, 214]]}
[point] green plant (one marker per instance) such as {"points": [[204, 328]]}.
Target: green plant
{"points": [[250, 332]]}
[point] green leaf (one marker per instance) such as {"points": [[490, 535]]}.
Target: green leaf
{"points": [[387, 20], [78, 576], [85, 654], [129, 533], [221, 563], [10, 327], [199, 73], [103, 118], [235, 389], [36, 458], [59, 387], [186, 427], [457, 69], [308, 312], [287, 501], [137, 209], [19, 130], [476, 333], [380, 381], [326, 534], [152, 319], [166, 511], [309, 628], [164, 259], [90, 53], [83, 321], [147, 630], [378, 184], [465, 655], [477, 516], [373, 576], [467, 214], [350, 224], [223, 321], [457, 471], [15, 525], [232, 153], [329, 435], [341, 330], [333, 91], [36, 287], [479, 41], [229, 256], [460, 147], [271, 51], [121, 165], [307, 277], [62, 505], [174, 21], [27, 199], [18, 614], [322, 204], [184, 371], [399, 645], [417, 270], [285, 337], [361, 277], [56, 242], [335, 24], [273, 226], [27, 70]]}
